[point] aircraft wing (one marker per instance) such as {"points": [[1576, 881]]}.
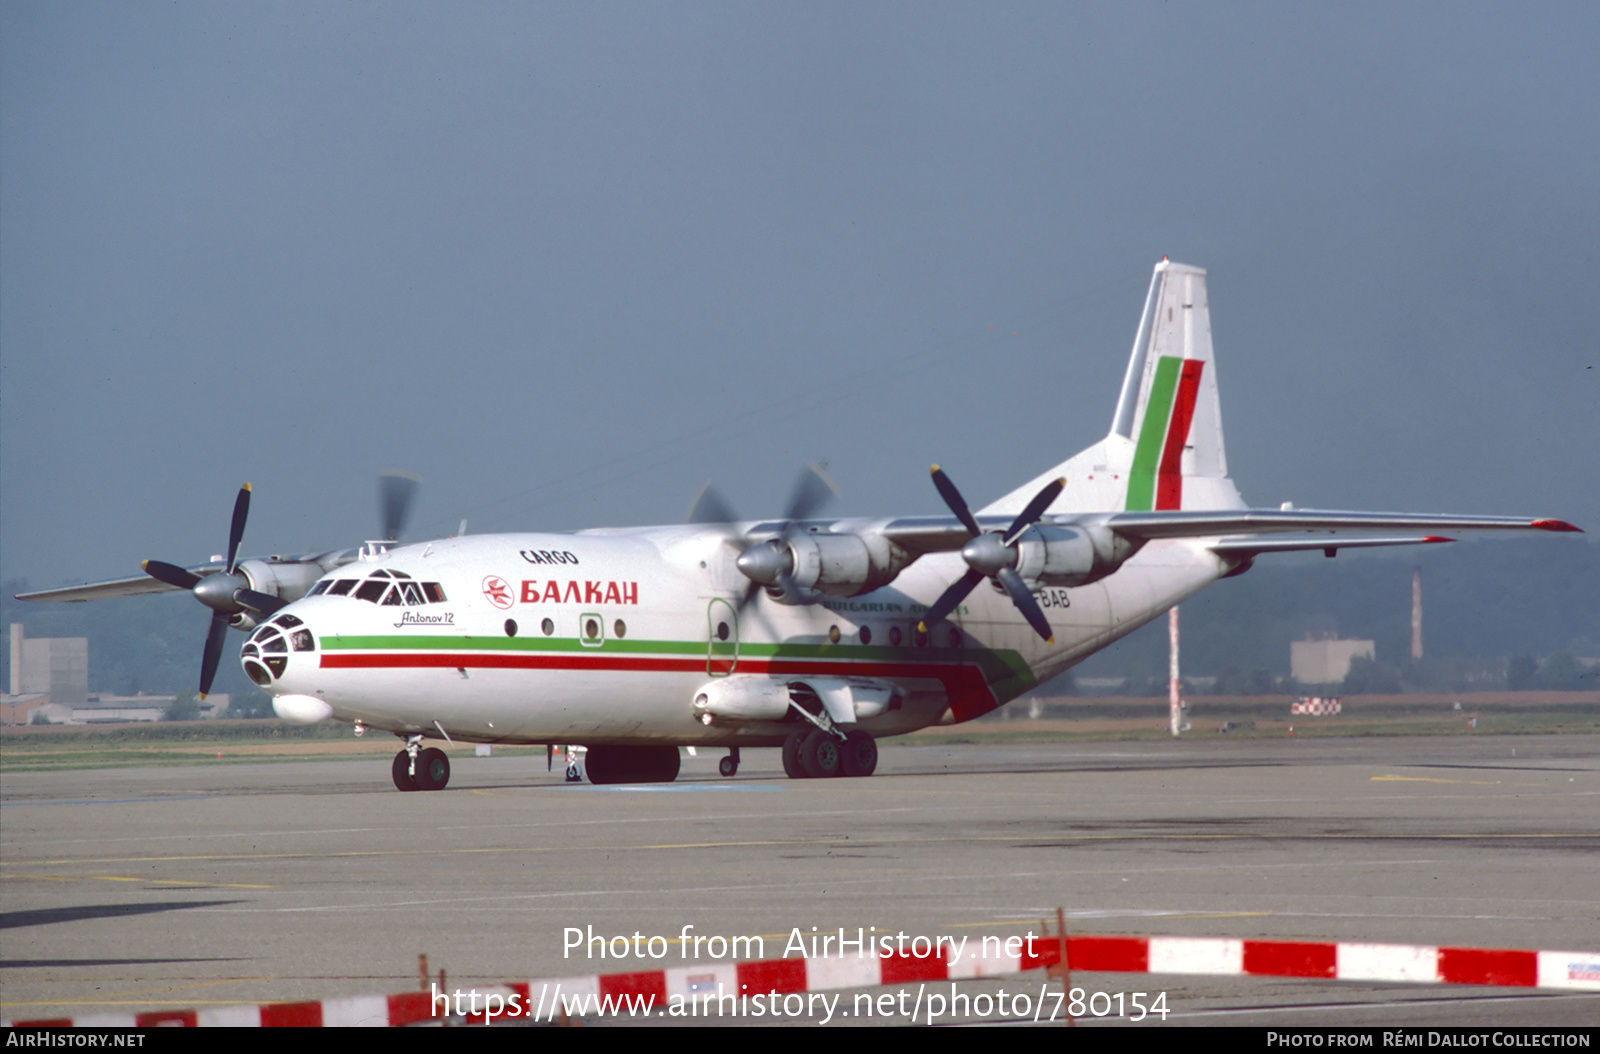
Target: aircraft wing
{"points": [[135, 585], [1203, 523], [1240, 529], [1252, 545]]}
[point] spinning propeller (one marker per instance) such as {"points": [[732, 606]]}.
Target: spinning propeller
{"points": [[396, 492], [993, 555], [227, 592], [768, 563]]}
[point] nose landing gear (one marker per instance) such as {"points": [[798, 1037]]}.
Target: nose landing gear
{"points": [[417, 769]]}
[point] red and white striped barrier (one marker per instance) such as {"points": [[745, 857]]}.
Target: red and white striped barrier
{"points": [[1316, 706], [1340, 961]]}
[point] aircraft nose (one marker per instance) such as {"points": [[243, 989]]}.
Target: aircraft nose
{"points": [[274, 647]]}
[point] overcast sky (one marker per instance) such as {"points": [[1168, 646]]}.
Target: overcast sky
{"points": [[569, 261]]}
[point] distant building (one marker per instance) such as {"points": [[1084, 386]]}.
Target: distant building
{"points": [[53, 666], [1326, 661], [50, 683]]}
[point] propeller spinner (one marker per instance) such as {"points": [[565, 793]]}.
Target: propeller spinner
{"points": [[993, 555]]}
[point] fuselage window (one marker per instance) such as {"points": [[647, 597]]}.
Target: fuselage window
{"points": [[549, 626], [620, 629], [866, 635]]}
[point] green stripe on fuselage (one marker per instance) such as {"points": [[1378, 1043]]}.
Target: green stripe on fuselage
{"points": [[1152, 434]]}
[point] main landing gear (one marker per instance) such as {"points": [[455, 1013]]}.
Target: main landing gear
{"points": [[417, 769], [812, 753]]}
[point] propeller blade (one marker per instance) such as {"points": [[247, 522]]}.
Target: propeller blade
{"points": [[748, 595], [709, 507], [812, 490], [1041, 501], [241, 511], [260, 603], [951, 598], [213, 654], [170, 574], [396, 491], [1026, 603], [952, 498]]}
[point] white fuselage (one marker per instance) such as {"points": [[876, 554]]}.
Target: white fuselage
{"points": [[607, 636]]}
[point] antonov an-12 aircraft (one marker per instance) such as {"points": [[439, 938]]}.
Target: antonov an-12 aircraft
{"points": [[815, 635]]}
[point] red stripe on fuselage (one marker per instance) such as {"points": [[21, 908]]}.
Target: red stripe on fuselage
{"points": [[1169, 479], [968, 692]]}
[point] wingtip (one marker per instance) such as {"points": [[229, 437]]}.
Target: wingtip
{"points": [[1556, 525]]}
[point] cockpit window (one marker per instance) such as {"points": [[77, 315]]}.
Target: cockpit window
{"points": [[372, 589], [386, 588], [320, 588]]}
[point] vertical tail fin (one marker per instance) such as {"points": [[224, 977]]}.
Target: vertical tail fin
{"points": [[1165, 447]]}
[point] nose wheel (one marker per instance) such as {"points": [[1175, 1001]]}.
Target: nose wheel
{"points": [[729, 766], [417, 769], [403, 779]]}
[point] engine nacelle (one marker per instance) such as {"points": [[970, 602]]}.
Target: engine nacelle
{"points": [[1071, 556], [288, 581], [753, 697], [843, 565], [742, 698]]}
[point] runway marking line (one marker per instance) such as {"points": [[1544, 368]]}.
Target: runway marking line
{"points": [[129, 878], [1022, 841], [1431, 779]]}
